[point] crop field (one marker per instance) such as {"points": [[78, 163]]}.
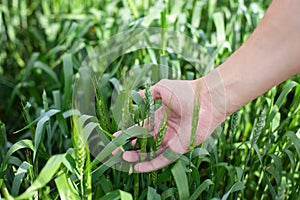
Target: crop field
{"points": [[52, 147]]}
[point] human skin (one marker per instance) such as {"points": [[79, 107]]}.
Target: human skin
{"points": [[270, 56]]}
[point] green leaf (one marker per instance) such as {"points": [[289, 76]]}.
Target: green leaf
{"points": [[219, 23], [136, 97], [3, 141], [291, 156], [181, 180], [258, 153], [13, 160], [47, 69], [239, 173], [122, 139], [275, 174], [57, 99], [200, 189], [68, 77], [286, 90], [105, 166], [169, 193], [236, 187], [39, 132], [125, 195], [116, 195], [17, 146], [271, 188], [293, 137], [33, 58], [163, 67], [276, 122], [277, 162], [196, 17], [48, 114], [69, 162], [106, 186], [154, 13], [62, 123], [65, 190], [46, 174], [152, 194], [19, 176]]}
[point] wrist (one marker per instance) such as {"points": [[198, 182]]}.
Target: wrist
{"points": [[213, 94]]}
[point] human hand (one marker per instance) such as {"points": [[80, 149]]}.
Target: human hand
{"points": [[179, 99]]}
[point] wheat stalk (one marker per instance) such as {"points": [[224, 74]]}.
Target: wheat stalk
{"points": [[150, 106], [102, 110], [133, 9], [195, 119], [80, 151]]}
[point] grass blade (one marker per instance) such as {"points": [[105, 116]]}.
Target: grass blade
{"points": [[152, 194], [3, 141], [39, 132], [116, 195], [19, 176], [219, 23], [169, 193], [236, 187], [47, 69], [17, 146], [68, 77], [163, 67], [46, 174], [200, 189], [65, 190], [296, 141], [132, 132], [286, 90], [181, 180]]}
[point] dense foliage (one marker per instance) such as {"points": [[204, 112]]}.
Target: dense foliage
{"points": [[42, 154]]}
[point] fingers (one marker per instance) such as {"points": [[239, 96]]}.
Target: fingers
{"points": [[131, 156], [155, 164], [117, 150], [160, 114], [159, 117]]}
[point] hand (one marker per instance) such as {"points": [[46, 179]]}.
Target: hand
{"points": [[178, 101]]}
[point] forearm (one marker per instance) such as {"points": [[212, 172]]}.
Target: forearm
{"points": [[270, 56]]}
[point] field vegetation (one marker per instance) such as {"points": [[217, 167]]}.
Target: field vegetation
{"points": [[43, 154]]}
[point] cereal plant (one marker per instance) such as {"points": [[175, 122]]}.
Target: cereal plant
{"points": [[51, 149]]}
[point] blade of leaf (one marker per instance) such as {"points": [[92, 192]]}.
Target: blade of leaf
{"points": [[200, 189], [17, 146], [152, 194], [236, 187], [46, 174], [21, 172], [169, 193], [47, 69], [68, 76], [64, 189], [296, 141], [219, 23], [3, 141], [116, 195], [135, 131], [181, 180]]}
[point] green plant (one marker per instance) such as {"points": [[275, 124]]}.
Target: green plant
{"points": [[43, 152]]}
